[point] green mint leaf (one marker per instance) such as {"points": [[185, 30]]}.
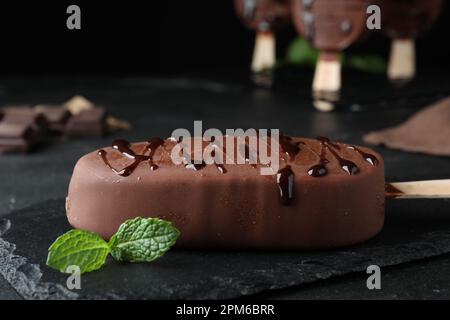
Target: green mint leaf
{"points": [[367, 63], [300, 52], [143, 239], [80, 248]]}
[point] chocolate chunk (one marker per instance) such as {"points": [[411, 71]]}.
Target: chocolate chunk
{"points": [[88, 123], [15, 137], [57, 117], [26, 116], [22, 128]]}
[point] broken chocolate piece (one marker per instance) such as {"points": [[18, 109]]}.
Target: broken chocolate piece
{"points": [[27, 116], [88, 123], [15, 138], [57, 117]]}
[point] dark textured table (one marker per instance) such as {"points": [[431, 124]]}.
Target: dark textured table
{"points": [[156, 106]]}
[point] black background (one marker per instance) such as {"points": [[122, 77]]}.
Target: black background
{"points": [[148, 37]]}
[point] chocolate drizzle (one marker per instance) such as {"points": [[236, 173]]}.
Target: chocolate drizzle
{"points": [[285, 177], [195, 166], [320, 170], [370, 158], [317, 170], [153, 145], [124, 147], [219, 167], [348, 166], [289, 147], [285, 181]]}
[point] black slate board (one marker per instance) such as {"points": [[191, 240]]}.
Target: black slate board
{"points": [[409, 234]]}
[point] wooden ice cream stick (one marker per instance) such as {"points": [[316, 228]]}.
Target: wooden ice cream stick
{"points": [[402, 60], [327, 77], [428, 189], [264, 52]]}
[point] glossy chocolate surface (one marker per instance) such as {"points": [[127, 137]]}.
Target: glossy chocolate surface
{"points": [[236, 206]]}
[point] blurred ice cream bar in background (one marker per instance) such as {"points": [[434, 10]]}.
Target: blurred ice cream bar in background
{"points": [[264, 17], [403, 21], [329, 26]]}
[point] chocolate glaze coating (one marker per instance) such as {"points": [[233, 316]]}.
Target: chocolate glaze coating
{"points": [[237, 208], [263, 15]]}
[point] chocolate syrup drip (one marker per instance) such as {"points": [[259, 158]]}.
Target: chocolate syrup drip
{"points": [[153, 145], [320, 169], [317, 171], [285, 181], [221, 168], [195, 166], [289, 147], [125, 172], [348, 166], [370, 158], [124, 147], [327, 142]]}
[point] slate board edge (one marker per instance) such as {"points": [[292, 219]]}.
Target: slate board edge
{"points": [[25, 277]]}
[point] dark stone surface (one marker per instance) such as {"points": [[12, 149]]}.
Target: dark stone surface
{"points": [[7, 292], [408, 235], [156, 106], [423, 279]]}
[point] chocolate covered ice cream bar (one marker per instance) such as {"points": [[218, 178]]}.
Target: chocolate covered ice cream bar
{"points": [[403, 21], [264, 17], [330, 26], [324, 194]]}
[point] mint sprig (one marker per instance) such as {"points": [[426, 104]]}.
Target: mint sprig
{"points": [[143, 240], [137, 240], [84, 249]]}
